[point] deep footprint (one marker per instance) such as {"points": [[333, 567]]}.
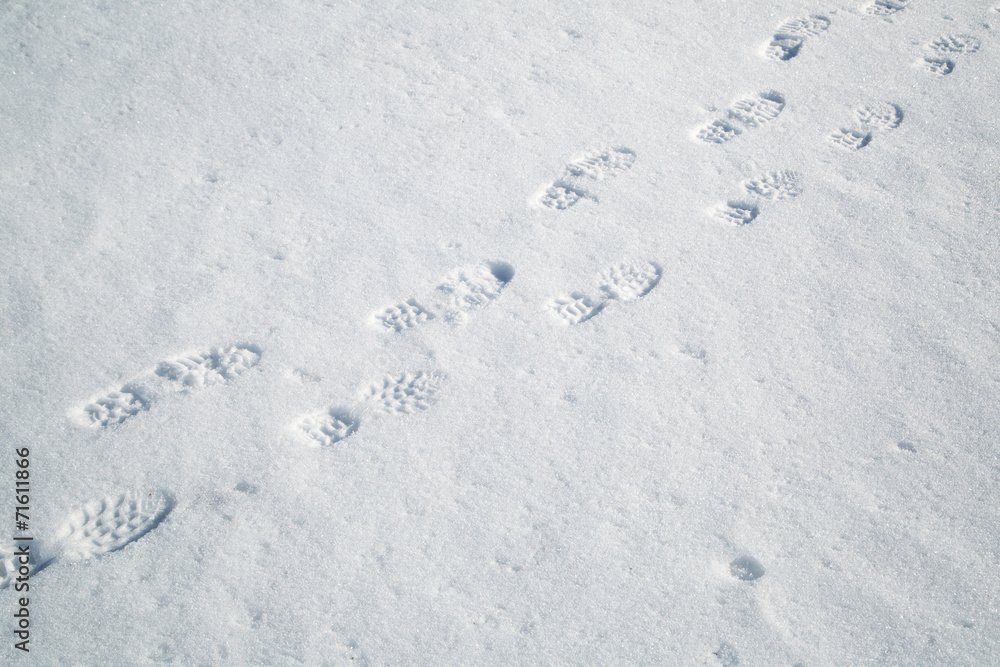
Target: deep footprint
{"points": [[940, 66]]}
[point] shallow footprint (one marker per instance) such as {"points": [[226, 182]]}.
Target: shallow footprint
{"points": [[115, 406], [110, 523], [405, 315], [879, 116], [470, 288], [625, 282], [875, 118], [217, 365], [884, 7], [405, 393], [945, 46], [743, 114], [772, 186], [718, 132], [850, 139], [790, 35], [98, 527], [736, 212], [776, 185], [464, 290], [10, 562], [630, 281], [755, 111], [560, 196], [575, 308], [402, 394], [596, 165], [955, 44], [328, 427]]}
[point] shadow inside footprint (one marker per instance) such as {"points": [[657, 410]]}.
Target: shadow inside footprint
{"points": [[746, 568], [502, 271]]}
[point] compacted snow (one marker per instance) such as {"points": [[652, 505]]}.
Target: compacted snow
{"points": [[661, 333]]}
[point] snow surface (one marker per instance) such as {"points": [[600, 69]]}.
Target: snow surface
{"points": [[504, 332]]}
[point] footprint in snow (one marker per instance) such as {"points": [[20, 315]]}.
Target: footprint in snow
{"points": [[883, 7], [772, 186], [461, 293], [393, 395], [741, 115], [872, 119], [790, 36], [593, 166], [186, 373], [727, 655], [946, 47], [624, 282], [98, 527]]}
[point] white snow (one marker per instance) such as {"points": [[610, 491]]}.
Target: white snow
{"points": [[503, 333]]}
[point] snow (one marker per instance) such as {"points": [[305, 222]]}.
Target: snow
{"points": [[504, 333]]}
